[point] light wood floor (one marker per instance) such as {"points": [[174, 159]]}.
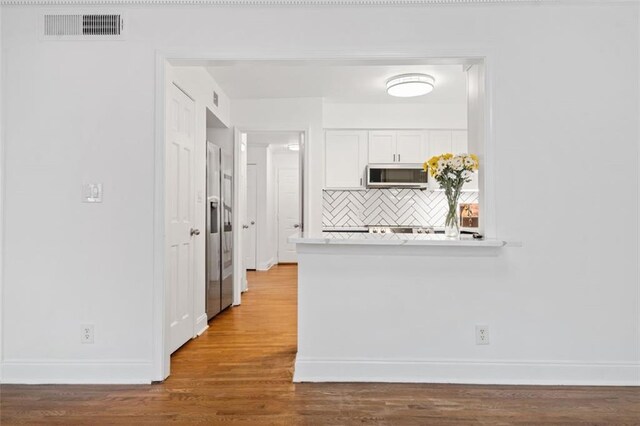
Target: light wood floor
{"points": [[239, 372]]}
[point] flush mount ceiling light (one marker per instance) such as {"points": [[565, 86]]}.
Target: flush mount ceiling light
{"points": [[410, 85]]}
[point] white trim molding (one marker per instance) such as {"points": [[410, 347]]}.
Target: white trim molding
{"points": [[201, 325], [467, 372], [259, 2]]}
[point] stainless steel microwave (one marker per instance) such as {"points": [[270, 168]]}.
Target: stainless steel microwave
{"points": [[396, 176]]}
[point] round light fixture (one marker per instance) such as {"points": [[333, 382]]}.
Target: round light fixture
{"points": [[410, 85]]}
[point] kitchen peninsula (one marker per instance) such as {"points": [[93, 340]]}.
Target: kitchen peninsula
{"points": [[391, 308]]}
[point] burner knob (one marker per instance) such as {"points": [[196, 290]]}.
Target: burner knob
{"points": [[420, 231], [375, 231], [382, 231]]}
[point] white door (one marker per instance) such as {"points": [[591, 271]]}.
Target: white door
{"points": [[409, 148], [250, 233], [345, 158], [179, 213], [382, 147], [288, 213]]}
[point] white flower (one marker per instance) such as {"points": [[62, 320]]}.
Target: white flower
{"points": [[442, 163], [451, 175], [468, 161], [457, 163], [466, 174]]}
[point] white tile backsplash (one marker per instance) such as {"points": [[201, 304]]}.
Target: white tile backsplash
{"points": [[410, 207]]}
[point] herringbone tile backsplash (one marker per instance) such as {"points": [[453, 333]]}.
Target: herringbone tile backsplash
{"points": [[352, 209]]}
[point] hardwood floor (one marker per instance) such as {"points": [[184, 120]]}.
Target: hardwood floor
{"points": [[239, 371]]}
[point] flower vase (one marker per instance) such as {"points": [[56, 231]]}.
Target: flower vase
{"points": [[452, 222]]}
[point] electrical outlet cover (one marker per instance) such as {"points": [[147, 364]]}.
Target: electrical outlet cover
{"points": [[86, 333], [482, 334]]}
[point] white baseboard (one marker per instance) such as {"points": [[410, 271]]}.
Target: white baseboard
{"points": [[201, 324], [34, 372], [467, 372], [265, 266]]}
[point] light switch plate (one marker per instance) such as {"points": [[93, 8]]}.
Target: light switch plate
{"points": [[92, 193]]}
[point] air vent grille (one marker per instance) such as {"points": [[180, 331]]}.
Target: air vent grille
{"points": [[82, 26], [101, 25]]}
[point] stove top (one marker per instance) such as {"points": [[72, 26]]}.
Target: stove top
{"points": [[378, 229]]}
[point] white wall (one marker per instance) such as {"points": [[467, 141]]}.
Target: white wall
{"points": [[93, 120], [395, 116]]}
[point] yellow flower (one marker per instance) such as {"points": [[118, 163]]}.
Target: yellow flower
{"points": [[447, 156], [432, 165], [476, 161]]}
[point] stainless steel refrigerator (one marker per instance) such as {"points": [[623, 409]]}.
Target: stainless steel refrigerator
{"points": [[219, 230]]}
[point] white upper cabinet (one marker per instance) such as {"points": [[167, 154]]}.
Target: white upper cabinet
{"points": [[345, 159], [459, 142], [347, 153], [396, 146], [382, 146], [439, 142], [409, 147]]}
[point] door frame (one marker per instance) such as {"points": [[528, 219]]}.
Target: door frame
{"points": [[451, 54]]}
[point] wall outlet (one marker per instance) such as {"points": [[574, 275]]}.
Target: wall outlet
{"points": [[86, 333], [482, 334]]}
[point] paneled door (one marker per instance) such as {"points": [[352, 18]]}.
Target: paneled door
{"points": [[288, 213], [250, 232], [179, 215]]}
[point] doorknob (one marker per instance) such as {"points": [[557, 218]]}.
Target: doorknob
{"points": [[252, 222], [194, 232], [296, 226], [245, 226]]}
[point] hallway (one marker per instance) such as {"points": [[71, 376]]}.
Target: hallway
{"points": [[239, 371]]}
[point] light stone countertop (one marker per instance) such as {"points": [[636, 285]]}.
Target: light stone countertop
{"points": [[364, 238]]}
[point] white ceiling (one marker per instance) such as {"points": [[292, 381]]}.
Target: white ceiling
{"points": [[339, 83]]}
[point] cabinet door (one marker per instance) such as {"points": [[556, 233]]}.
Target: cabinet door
{"points": [[409, 147], [459, 142], [382, 146], [439, 142], [345, 159]]}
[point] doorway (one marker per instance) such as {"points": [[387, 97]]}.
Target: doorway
{"points": [[273, 197], [315, 183]]}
